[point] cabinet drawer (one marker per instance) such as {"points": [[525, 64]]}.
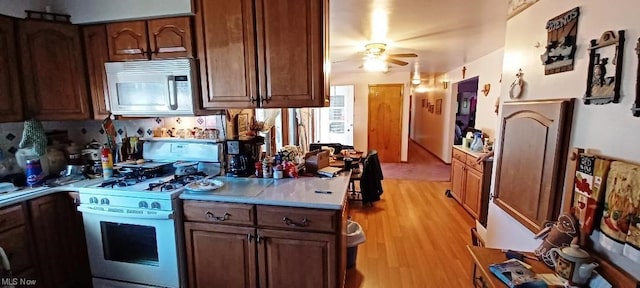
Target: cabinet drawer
{"points": [[11, 217], [457, 154], [298, 218], [471, 162], [14, 242], [217, 212]]}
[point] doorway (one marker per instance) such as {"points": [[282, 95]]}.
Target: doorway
{"points": [[335, 123], [385, 121], [467, 99]]}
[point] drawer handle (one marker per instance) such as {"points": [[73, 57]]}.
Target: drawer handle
{"points": [[305, 222], [217, 218]]}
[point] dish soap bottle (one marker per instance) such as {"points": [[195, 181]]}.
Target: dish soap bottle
{"points": [[477, 144]]}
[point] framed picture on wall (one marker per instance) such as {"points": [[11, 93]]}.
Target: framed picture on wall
{"points": [[439, 106]]}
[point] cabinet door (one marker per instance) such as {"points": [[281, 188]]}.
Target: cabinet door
{"points": [[60, 249], [96, 54], [457, 180], [170, 38], [472, 192], [128, 41], [220, 255], [291, 52], [10, 99], [226, 49], [297, 259], [530, 176], [54, 76]]}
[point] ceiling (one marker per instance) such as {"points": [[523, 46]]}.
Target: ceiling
{"points": [[444, 34]]}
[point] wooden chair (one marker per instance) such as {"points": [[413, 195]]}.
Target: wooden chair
{"points": [[476, 277]]}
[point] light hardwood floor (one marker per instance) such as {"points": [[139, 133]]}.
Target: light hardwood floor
{"points": [[416, 237]]}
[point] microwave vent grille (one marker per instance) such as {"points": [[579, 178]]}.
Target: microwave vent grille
{"points": [[168, 67]]}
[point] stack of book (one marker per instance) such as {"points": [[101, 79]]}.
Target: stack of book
{"points": [[515, 274]]}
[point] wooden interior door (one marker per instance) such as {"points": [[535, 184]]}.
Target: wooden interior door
{"points": [[385, 121], [170, 38], [531, 160], [128, 40]]}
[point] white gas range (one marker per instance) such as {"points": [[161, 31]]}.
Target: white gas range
{"points": [[133, 223]]}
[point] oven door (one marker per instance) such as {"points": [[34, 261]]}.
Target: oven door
{"points": [[139, 248]]}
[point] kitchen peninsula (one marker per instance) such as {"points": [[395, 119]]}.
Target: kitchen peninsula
{"points": [[278, 233]]}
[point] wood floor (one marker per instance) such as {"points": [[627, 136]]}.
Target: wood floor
{"points": [[416, 237]]}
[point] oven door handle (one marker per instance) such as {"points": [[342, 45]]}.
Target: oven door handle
{"points": [[97, 210]]}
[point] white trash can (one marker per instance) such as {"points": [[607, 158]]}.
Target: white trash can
{"points": [[355, 237]]}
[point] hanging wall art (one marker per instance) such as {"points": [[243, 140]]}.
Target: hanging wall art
{"points": [[605, 68], [562, 32], [636, 105]]}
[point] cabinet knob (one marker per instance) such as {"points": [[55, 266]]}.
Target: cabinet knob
{"points": [[305, 222]]}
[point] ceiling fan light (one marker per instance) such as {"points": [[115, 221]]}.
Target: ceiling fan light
{"points": [[416, 81], [421, 89], [375, 65]]}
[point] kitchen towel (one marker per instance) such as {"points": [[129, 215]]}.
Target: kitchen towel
{"points": [[622, 200], [33, 135]]}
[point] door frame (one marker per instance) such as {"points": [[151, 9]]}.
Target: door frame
{"points": [[401, 85]]}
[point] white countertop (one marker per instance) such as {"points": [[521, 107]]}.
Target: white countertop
{"points": [[470, 152], [299, 192], [35, 192]]}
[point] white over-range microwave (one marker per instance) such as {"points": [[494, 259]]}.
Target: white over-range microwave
{"points": [[152, 88]]}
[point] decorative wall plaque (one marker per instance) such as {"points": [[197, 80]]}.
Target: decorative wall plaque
{"points": [[562, 32], [602, 88]]}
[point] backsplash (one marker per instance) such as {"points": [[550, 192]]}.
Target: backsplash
{"points": [[83, 132]]}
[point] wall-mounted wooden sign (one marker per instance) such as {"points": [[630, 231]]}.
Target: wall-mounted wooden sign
{"points": [[562, 32], [601, 87]]}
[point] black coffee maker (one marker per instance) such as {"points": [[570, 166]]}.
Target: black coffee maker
{"points": [[242, 154]]}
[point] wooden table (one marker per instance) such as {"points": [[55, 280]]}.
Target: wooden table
{"points": [[483, 257]]}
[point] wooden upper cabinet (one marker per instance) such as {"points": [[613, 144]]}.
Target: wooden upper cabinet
{"points": [[10, 99], [96, 54], [170, 38], [53, 71], [226, 49], [152, 39], [292, 38], [530, 168], [128, 41]]}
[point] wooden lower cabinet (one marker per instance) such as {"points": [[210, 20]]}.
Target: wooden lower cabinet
{"points": [[470, 183], [220, 255], [61, 253], [296, 259], [227, 254]]}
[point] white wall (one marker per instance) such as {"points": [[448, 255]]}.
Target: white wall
{"points": [[16, 8], [607, 128], [488, 69], [87, 11], [361, 82]]}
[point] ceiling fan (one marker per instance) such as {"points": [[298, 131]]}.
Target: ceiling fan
{"points": [[376, 50]]}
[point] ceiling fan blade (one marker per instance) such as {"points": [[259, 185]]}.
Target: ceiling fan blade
{"points": [[403, 55], [396, 61]]}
